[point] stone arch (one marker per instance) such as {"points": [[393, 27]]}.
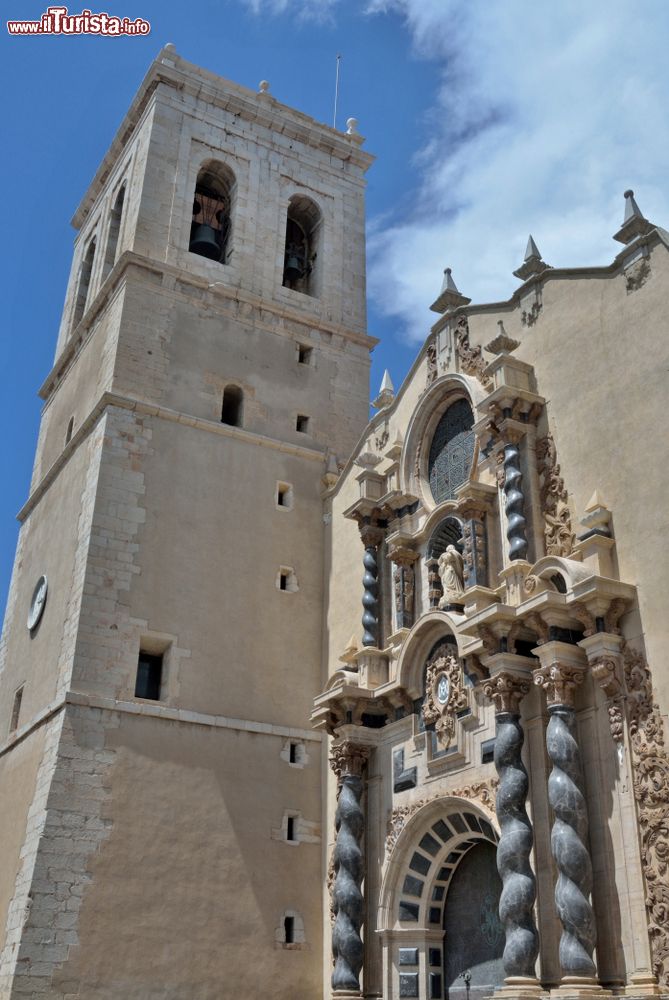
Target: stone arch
{"points": [[541, 574], [443, 392], [423, 637], [302, 268], [425, 851]]}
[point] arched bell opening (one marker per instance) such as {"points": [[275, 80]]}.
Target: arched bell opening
{"points": [[83, 286], [211, 221], [304, 237]]}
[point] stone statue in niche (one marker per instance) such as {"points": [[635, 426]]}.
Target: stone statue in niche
{"points": [[451, 571]]}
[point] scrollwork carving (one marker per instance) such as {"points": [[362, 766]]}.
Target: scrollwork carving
{"points": [[471, 358], [651, 791], [558, 532], [605, 673], [482, 791]]}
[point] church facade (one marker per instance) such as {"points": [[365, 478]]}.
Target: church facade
{"points": [[298, 705]]}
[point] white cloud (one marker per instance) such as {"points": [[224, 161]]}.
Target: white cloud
{"points": [[545, 114], [304, 10]]}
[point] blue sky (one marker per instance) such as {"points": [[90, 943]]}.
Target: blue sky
{"points": [[488, 120]]}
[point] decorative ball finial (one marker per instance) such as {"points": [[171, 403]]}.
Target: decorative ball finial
{"points": [[263, 87], [351, 126]]}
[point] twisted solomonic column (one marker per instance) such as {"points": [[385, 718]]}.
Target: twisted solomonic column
{"points": [[570, 826], [371, 538], [514, 502], [521, 947], [347, 761]]}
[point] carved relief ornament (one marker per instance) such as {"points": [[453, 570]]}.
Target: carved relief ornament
{"points": [[651, 791], [605, 672], [481, 791], [444, 696], [559, 681], [348, 759], [558, 532], [507, 691], [471, 359]]}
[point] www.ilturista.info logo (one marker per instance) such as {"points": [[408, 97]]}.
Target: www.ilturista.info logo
{"points": [[57, 21]]}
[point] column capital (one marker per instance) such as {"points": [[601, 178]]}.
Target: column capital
{"points": [[559, 681], [371, 534], [348, 759], [507, 690]]}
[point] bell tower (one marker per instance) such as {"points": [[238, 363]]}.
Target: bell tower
{"points": [[161, 785]]}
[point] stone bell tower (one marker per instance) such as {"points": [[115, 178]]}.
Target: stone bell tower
{"points": [[161, 786]]}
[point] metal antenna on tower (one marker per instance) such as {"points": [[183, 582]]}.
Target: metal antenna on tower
{"points": [[334, 117]]}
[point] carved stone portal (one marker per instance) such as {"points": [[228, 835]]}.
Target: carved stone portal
{"points": [[444, 696]]}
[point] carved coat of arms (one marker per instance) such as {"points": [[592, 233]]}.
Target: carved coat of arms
{"points": [[444, 696]]}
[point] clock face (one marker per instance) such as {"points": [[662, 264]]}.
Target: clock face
{"points": [[443, 689], [37, 602]]}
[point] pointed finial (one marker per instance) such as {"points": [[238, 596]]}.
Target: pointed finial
{"points": [[352, 126], [533, 263], [449, 297], [263, 87], [502, 343], [635, 223], [386, 392], [532, 249]]}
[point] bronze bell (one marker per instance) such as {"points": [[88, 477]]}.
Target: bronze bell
{"points": [[293, 269], [204, 242]]}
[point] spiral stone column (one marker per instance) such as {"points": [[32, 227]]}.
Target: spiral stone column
{"points": [[371, 539], [516, 903], [347, 761], [514, 501], [569, 834]]}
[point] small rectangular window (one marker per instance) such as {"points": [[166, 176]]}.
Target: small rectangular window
{"points": [[283, 581], [302, 423], [289, 929], [284, 495], [16, 710], [304, 354], [149, 675], [487, 751], [290, 828], [293, 753]]}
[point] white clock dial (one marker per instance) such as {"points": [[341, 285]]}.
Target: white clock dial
{"points": [[37, 602]]}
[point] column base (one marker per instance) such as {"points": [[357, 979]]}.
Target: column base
{"points": [[580, 987], [346, 994], [642, 984], [520, 988]]}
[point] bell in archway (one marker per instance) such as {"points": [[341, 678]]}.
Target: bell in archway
{"points": [[204, 242], [293, 269]]}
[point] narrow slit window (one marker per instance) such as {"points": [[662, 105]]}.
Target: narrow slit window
{"points": [[149, 675], [289, 929], [283, 581], [16, 710], [302, 423], [292, 753], [290, 828]]}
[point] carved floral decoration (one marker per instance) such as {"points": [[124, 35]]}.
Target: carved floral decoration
{"points": [[651, 791], [444, 695], [472, 361], [482, 791], [558, 531]]}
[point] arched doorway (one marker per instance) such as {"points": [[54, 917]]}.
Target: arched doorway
{"points": [[473, 934], [438, 905]]}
